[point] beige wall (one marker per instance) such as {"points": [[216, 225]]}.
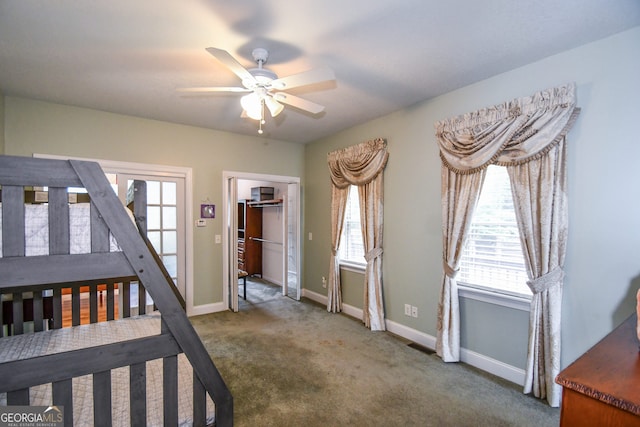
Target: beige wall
{"points": [[602, 265], [41, 127]]}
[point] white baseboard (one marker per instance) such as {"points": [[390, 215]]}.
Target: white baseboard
{"points": [[274, 280], [425, 340], [322, 299], [198, 310], [485, 363], [493, 366], [314, 296]]}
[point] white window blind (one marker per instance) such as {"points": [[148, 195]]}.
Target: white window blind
{"points": [[492, 256], [351, 246]]}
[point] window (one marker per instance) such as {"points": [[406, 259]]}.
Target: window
{"points": [[492, 256], [351, 246]]}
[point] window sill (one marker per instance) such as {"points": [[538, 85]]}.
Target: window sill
{"points": [[511, 301], [352, 266]]}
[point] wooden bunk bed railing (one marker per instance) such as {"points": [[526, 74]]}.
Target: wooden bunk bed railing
{"points": [[99, 361], [67, 304], [135, 261]]}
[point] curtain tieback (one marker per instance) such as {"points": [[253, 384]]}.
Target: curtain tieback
{"points": [[373, 254], [334, 252], [546, 281], [449, 271]]}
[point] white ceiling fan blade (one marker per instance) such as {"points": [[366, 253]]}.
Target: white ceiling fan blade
{"points": [[298, 102], [228, 60], [212, 89], [315, 75]]}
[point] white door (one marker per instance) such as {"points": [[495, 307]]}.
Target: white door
{"points": [[230, 240], [291, 236], [166, 226]]}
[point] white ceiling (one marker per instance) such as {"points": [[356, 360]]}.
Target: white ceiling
{"points": [[129, 57]]}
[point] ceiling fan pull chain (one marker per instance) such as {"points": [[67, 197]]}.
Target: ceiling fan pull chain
{"points": [[262, 121]]}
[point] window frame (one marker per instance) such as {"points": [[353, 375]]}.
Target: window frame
{"points": [[494, 295], [350, 264], [517, 302]]}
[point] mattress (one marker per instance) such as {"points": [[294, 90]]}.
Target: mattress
{"points": [[32, 345], [37, 229]]}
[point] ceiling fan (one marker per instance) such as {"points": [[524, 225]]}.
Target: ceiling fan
{"points": [[264, 87]]}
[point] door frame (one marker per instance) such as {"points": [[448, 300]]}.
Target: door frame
{"points": [[230, 226], [134, 168]]}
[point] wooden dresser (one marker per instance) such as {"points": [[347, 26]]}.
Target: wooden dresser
{"points": [[602, 387]]}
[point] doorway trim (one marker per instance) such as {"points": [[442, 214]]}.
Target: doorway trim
{"points": [[229, 208], [114, 166]]}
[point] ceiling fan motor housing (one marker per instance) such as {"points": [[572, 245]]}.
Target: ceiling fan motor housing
{"points": [[263, 75], [260, 55]]}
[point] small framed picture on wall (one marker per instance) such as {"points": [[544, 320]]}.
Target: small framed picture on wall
{"points": [[207, 211]]}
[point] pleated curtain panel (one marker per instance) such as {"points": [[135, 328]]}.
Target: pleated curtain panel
{"points": [[361, 165], [527, 136]]}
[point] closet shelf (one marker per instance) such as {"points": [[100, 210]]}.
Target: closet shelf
{"points": [[265, 203]]}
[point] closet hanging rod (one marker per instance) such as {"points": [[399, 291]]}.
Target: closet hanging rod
{"points": [[258, 239]]}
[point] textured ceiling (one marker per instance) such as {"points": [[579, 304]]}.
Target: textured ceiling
{"points": [[129, 57]]}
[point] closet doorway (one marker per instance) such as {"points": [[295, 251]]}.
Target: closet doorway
{"points": [[279, 239]]}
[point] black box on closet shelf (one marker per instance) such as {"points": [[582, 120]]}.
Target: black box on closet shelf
{"points": [[262, 193]]}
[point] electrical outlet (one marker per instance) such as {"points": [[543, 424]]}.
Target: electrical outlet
{"points": [[414, 311], [324, 282], [407, 310]]}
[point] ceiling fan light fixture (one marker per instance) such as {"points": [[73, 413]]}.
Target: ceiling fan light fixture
{"points": [[274, 106], [252, 104]]}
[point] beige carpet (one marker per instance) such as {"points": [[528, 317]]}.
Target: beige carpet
{"points": [[291, 363]]}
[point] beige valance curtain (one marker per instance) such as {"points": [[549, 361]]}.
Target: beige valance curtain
{"points": [[511, 133], [527, 135], [361, 165]]}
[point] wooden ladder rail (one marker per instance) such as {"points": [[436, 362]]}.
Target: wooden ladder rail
{"points": [[136, 258], [149, 273]]}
